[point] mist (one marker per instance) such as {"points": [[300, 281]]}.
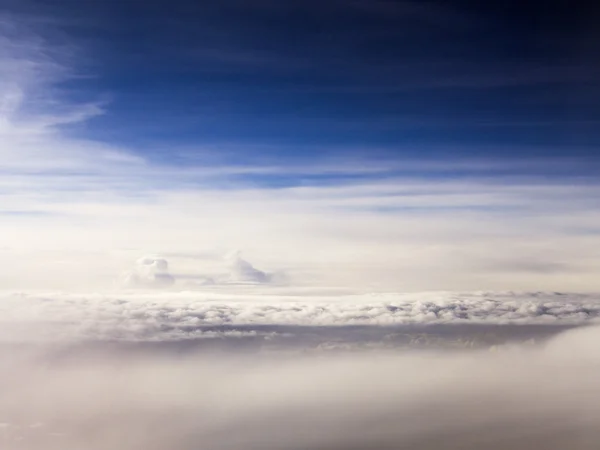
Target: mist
{"points": [[520, 395]]}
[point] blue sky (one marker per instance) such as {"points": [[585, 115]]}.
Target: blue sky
{"points": [[381, 145], [449, 79]]}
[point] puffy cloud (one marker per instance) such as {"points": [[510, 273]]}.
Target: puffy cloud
{"points": [[156, 316], [153, 272], [150, 271], [241, 271]]}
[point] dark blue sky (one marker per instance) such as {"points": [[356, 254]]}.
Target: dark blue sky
{"points": [[393, 78]]}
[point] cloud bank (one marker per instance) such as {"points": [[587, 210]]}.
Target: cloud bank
{"points": [[172, 316]]}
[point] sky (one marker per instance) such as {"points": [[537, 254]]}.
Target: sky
{"points": [[229, 222], [361, 145]]}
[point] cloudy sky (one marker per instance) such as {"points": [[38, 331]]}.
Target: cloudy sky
{"points": [[366, 145], [299, 224]]}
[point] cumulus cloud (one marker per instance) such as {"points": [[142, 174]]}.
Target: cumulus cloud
{"points": [[241, 271], [150, 272], [153, 272]]}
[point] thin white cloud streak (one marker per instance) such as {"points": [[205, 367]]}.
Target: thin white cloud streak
{"points": [[436, 240], [77, 197]]}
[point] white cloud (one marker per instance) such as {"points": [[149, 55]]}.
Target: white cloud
{"points": [[174, 316], [153, 272], [117, 397], [241, 271], [150, 272]]}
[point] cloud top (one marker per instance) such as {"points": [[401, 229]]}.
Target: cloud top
{"points": [[241, 271], [150, 272]]}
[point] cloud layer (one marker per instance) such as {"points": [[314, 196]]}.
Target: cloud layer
{"points": [[527, 398], [171, 316]]}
